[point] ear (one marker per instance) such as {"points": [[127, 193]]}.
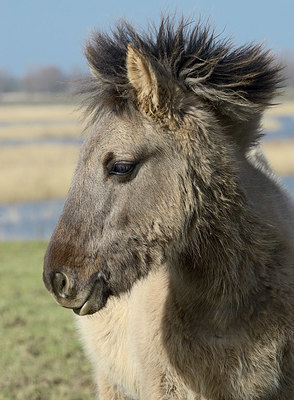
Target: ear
{"points": [[142, 77]]}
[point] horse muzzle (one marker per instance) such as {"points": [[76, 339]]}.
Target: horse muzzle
{"points": [[83, 299]]}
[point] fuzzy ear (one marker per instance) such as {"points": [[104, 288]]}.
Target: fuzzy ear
{"points": [[143, 79]]}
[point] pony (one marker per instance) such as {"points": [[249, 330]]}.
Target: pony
{"points": [[175, 246]]}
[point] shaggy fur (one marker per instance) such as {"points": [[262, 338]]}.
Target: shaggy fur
{"points": [[237, 81], [185, 262]]}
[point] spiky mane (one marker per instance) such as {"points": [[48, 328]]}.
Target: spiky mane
{"points": [[236, 81]]}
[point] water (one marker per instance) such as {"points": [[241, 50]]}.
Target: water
{"points": [[37, 220], [289, 183], [285, 132], [29, 220]]}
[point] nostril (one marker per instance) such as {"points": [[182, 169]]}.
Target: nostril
{"points": [[61, 284]]}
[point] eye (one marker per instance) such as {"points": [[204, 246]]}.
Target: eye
{"points": [[122, 168]]}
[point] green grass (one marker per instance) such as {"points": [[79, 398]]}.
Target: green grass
{"points": [[40, 355]]}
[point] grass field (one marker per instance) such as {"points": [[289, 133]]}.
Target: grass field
{"points": [[280, 155], [39, 121], [40, 356], [64, 120], [37, 172]]}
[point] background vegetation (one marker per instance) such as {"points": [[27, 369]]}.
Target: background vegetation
{"points": [[40, 357], [39, 158], [42, 148]]}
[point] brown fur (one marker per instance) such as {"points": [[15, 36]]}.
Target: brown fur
{"points": [[186, 263]]}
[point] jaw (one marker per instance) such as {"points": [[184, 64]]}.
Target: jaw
{"points": [[109, 269], [89, 298], [96, 299]]}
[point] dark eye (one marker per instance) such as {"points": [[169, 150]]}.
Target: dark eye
{"points": [[122, 168]]}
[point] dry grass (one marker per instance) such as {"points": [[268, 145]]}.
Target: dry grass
{"points": [[280, 155], [39, 130], [39, 121], [37, 113], [35, 172], [281, 110], [63, 120], [270, 119]]}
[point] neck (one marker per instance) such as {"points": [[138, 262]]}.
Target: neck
{"points": [[226, 246], [216, 279]]}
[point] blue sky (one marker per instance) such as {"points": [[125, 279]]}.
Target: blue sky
{"points": [[42, 32]]}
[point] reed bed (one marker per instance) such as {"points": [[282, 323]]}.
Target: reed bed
{"points": [[271, 120], [280, 155], [30, 173], [37, 113], [39, 121], [38, 172], [38, 131]]}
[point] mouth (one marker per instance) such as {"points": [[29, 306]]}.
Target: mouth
{"points": [[96, 300]]}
